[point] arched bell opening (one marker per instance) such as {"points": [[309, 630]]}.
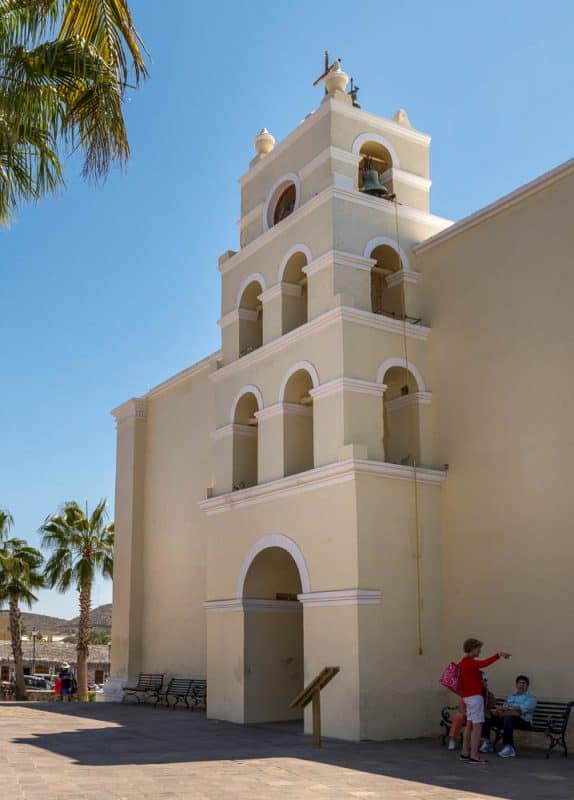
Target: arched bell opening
{"points": [[386, 299], [250, 319], [294, 296], [298, 453], [401, 423], [273, 637], [245, 434], [375, 177]]}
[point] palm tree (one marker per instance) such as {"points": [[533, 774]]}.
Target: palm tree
{"points": [[81, 545], [64, 71], [19, 574]]}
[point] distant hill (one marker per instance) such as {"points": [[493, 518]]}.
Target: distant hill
{"points": [[100, 618]]}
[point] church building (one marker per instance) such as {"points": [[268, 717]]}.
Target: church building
{"points": [[377, 463]]}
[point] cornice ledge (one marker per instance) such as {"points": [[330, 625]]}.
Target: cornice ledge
{"points": [[327, 475], [382, 322], [386, 207], [403, 276], [350, 385], [341, 597], [236, 604], [135, 408], [414, 399], [251, 216], [337, 314]]}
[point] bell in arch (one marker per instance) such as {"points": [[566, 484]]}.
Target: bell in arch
{"points": [[372, 183]]}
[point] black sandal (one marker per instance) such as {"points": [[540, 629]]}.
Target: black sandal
{"points": [[464, 758], [477, 760]]}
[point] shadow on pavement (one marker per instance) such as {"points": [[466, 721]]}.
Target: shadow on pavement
{"points": [[131, 734]]}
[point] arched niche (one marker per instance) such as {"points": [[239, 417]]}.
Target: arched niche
{"points": [[245, 444], [294, 292], [250, 312], [401, 420], [298, 448], [385, 299]]}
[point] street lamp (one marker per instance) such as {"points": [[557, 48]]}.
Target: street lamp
{"points": [[35, 634]]}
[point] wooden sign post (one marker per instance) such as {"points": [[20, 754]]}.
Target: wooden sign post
{"points": [[312, 694]]}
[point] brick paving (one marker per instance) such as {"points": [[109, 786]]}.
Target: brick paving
{"points": [[124, 752]]}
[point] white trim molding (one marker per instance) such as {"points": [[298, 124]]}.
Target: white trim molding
{"points": [[273, 195], [407, 178], [341, 597], [234, 428], [333, 474], [339, 258], [403, 276], [363, 138], [389, 363], [135, 408], [297, 248], [387, 241], [278, 409], [255, 277], [329, 153], [284, 543], [300, 365], [335, 315], [250, 217], [414, 399], [328, 194], [250, 388], [244, 604], [281, 290], [355, 385]]}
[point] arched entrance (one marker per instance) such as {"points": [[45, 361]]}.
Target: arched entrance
{"points": [[273, 633]]}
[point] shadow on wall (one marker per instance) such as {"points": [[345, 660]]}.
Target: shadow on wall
{"points": [[143, 735]]}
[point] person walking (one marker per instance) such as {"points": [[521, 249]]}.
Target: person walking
{"points": [[472, 695], [66, 682]]}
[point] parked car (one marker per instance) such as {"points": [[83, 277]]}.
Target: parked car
{"points": [[45, 682]]}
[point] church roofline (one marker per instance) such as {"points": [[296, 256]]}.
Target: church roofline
{"points": [[539, 184]]}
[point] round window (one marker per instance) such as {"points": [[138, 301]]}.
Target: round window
{"points": [[285, 203]]}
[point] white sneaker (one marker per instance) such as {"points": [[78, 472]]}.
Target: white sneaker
{"points": [[507, 752], [451, 744], [486, 747]]}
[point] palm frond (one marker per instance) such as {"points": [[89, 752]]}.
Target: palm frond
{"points": [[6, 522]]}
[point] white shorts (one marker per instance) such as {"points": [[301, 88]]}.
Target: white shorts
{"points": [[474, 708]]}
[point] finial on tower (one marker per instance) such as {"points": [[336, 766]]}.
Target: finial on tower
{"points": [[264, 143], [335, 79]]}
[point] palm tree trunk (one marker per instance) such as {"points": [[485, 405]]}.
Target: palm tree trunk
{"points": [[16, 636], [83, 639]]}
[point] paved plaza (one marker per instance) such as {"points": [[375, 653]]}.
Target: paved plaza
{"points": [[124, 752]]}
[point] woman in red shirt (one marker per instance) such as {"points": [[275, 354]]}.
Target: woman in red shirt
{"points": [[472, 695]]}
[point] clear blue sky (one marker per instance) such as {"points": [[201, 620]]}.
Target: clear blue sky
{"points": [[108, 290]]}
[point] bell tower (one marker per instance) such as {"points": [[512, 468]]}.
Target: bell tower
{"points": [[322, 399]]}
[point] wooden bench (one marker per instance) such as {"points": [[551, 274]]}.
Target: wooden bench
{"points": [[149, 685], [550, 718]]}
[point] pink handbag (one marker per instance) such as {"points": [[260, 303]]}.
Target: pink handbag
{"points": [[450, 678]]}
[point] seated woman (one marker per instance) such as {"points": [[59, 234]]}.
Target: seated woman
{"points": [[516, 713]]}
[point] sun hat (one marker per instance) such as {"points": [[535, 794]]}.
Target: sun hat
{"points": [[65, 665]]}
